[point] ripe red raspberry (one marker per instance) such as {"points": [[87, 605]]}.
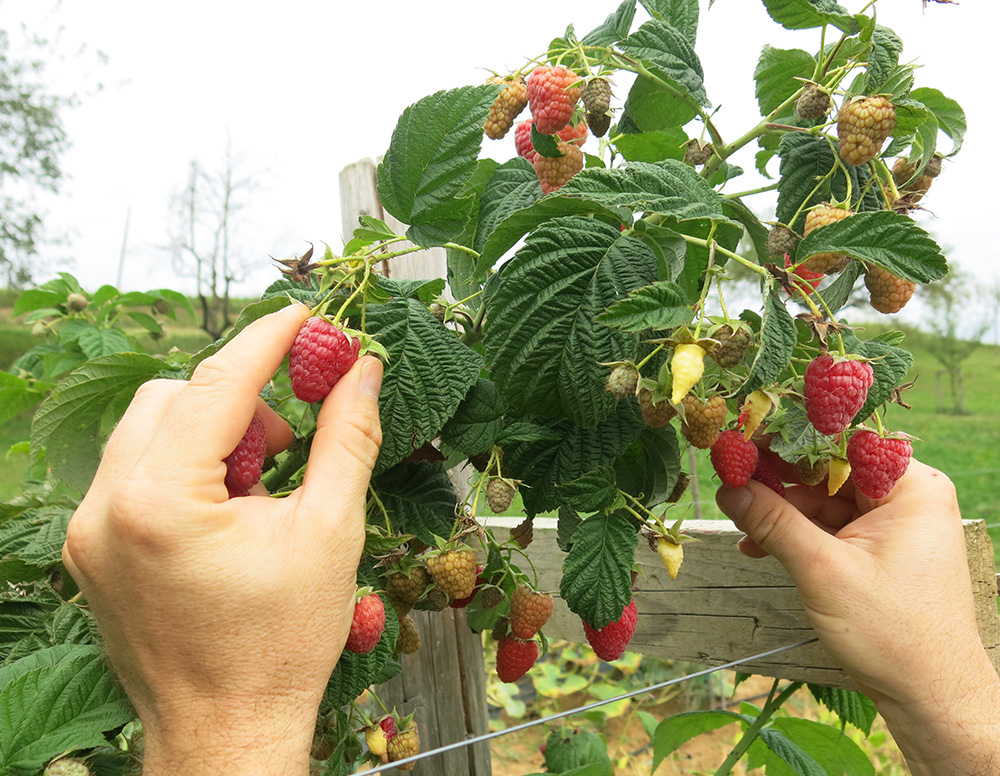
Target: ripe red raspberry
{"points": [[454, 571], [887, 293], [552, 95], [877, 462], [321, 354], [244, 464], [810, 280], [655, 415], [819, 217], [835, 391], [509, 103], [768, 473], [515, 657], [734, 458], [703, 420], [461, 603], [367, 625], [388, 725], [576, 135], [863, 124], [522, 141], [529, 611], [610, 642], [405, 743], [554, 172]]}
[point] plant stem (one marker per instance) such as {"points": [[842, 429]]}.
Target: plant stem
{"points": [[734, 256], [772, 705], [462, 248], [751, 192]]}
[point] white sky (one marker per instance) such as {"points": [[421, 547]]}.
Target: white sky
{"points": [[305, 88]]}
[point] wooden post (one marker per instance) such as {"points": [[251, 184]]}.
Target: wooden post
{"points": [[444, 682], [725, 606]]}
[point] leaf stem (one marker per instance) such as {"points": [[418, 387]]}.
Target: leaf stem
{"points": [[772, 705], [725, 252], [462, 248], [751, 192]]}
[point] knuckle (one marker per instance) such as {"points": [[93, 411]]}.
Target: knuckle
{"points": [[213, 370], [360, 436]]}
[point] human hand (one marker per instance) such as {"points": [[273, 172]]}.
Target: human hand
{"points": [[224, 617]]}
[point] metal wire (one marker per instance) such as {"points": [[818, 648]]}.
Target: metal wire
{"points": [[579, 709]]}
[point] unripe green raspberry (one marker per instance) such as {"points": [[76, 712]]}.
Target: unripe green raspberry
{"points": [[76, 302], [67, 766]]}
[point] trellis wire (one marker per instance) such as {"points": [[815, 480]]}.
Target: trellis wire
{"points": [[579, 709]]}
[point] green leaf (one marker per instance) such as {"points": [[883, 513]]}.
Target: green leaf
{"points": [[19, 621], [597, 572], [103, 342], [545, 145], [419, 498], [373, 229], [795, 433], [801, 762], [18, 395], [671, 54], [568, 522], [682, 14], [247, 315], [949, 114], [174, 297], [355, 672], [884, 57], [582, 753], [649, 468], [36, 299], [594, 491], [68, 421], [478, 420], [825, 744], [614, 28], [676, 730], [513, 187], [778, 340], [890, 240], [850, 705], [543, 348], [890, 365], [433, 152], [652, 147], [41, 548], [661, 305], [415, 401], [148, 322], [52, 709], [652, 106], [838, 293], [805, 14], [755, 230], [776, 77], [72, 624]]}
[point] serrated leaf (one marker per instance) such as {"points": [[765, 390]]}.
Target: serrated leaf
{"points": [[356, 672], [850, 706], [777, 341], [514, 186], [18, 395], [543, 348], [419, 498], [477, 421], [18, 621], [67, 423], [838, 293], [592, 492], [949, 114], [826, 745], [103, 342], [52, 709], [794, 433], [148, 322], [415, 401], [777, 77], [545, 145], [671, 53], [568, 522], [43, 547], [682, 14], [660, 305], [71, 624], [676, 730], [614, 28], [597, 572], [889, 364], [433, 152], [247, 315], [806, 14], [306, 292], [888, 239], [649, 468], [652, 147], [653, 106], [884, 57], [800, 761], [525, 431], [36, 299], [583, 753]]}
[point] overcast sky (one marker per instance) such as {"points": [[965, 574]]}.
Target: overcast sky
{"points": [[305, 88]]}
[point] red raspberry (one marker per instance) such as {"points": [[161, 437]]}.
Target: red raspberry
{"points": [[367, 625], [320, 356], [810, 279], [388, 725], [768, 473], [529, 611], [835, 391], [515, 657], [554, 172], [522, 141], [877, 463], [576, 135], [244, 464], [609, 642], [734, 458], [461, 603], [552, 95]]}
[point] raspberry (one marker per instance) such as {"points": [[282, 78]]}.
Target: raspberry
{"points": [[918, 188], [609, 642], [405, 743], [697, 153], [599, 123], [244, 464], [655, 415], [388, 725], [499, 494], [515, 657], [863, 124], [596, 95], [835, 391], [752, 413], [367, 625], [500, 629], [529, 611], [408, 640], [877, 462], [491, 597], [825, 215], [436, 600], [552, 95], [812, 472], [703, 420], [576, 135], [887, 293], [768, 473], [76, 302], [404, 588], [734, 459], [321, 354], [933, 168], [671, 554], [840, 470], [809, 279], [554, 172], [506, 107], [67, 766], [454, 571], [376, 740], [903, 171], [522, 141], [781, 241], [622, 381], [461, 603], [686, 368], [734, 344], [813, 103]]}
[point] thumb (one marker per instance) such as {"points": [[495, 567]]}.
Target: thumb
{"points": [[773, 524], [347, 439]]}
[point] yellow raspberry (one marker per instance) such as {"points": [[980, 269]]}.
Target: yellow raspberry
{"points": [[671, 554], [840, 470], [506, 107], [823, 216], [888, 294], [686, 367], [863, 125]]}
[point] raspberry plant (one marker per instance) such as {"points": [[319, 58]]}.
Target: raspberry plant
{"points": [[566, 266]]}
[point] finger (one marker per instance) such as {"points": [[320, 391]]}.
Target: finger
{"points": [[830, 511], [347, 437], [214, 410], [279, 435], [749, 547]]}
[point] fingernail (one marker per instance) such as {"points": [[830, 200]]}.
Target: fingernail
{"points": [[734, 501], [371, 377]]}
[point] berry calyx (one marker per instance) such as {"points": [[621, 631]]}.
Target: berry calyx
{"points": [[321, 354], [734, 458], [835, 391], [609, 643]]}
